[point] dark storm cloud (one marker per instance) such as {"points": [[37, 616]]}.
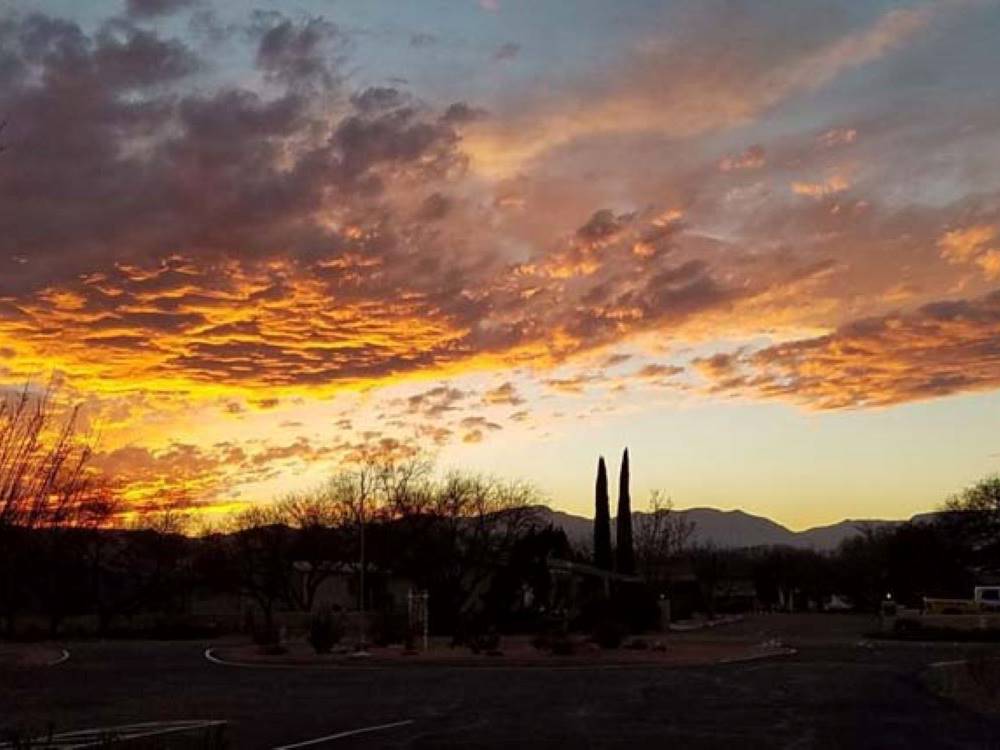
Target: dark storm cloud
{"points": [[298, 53], [603, 225], [153, 8], [460, 112], [507, 51]]}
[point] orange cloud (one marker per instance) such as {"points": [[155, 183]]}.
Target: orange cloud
{"points": [[974, 244], [830, 186], [936, 350], [752, 158]]}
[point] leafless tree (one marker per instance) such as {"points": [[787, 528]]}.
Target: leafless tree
{"points": [[379, 515], [43, 461], [45, 489], [476, 522], [661, 535]]}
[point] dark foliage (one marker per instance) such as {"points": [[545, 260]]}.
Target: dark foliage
{"points": [[485, 643], [609, 634], [624, 552], [325, 631], [602, 519]]}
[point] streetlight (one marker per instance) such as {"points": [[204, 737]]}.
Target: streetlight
{"points": [[362, 645]]}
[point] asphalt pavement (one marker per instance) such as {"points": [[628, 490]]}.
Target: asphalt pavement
{"points": [[838, 691]]}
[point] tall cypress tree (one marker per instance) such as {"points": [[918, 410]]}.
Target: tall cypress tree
{"points": [[602, 519], [624, 555]]}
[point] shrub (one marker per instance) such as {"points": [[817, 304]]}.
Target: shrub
{"points": [[410, 643], [562, 645], [488, 642], [636, 606], [390, 626], [265, 635], [553, 629], [609, 634], [325, 632]]}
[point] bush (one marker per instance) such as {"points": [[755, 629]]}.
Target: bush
{"points": [[562, 645], [554, 636], [553, 628], [390, 626], [325, 632], [542, 641], [488, 642], [265, 635], [609, 634], [410, 643], [636, 607], [272, 649]]}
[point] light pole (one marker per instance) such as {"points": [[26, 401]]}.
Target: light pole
{"points": [[362, 645]]}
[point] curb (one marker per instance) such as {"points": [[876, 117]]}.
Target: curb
{"points": [[705, 625], [210, 656], [759, 657]]}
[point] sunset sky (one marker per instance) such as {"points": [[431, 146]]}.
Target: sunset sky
{"points": [[756, 242]]}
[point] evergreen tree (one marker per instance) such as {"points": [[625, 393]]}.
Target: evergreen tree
{"points": [[624, 554], [602, 519]]}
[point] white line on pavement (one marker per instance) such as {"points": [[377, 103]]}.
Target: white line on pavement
{"points": [[349, 733], [62, 657], [940, 664]]}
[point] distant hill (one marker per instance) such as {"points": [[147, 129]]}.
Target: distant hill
{"points": [[734, 528]]}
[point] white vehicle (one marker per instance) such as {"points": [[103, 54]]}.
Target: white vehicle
{"points": [[987, 597]]}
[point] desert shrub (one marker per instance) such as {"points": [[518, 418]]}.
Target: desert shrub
{"points": [[325, 632], [903, 625], [553, 626], [636, 607], [553, 636], [410, 643], [609, 633], [390, 626], [265, 636], [487, 642], [562, 645]]}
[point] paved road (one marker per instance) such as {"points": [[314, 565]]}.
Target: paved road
{"points": [[832, 694]]}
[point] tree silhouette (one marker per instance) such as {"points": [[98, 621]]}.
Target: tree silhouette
{"points": [[624, 554], [602, 519]]}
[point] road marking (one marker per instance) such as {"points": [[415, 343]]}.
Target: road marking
{"points": [[953, 663], [215, 659], [349, 733], [85, 738], [62, 657]]}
